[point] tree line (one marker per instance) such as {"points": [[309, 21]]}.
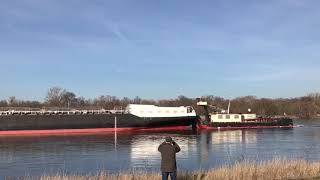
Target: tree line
{"points": [[306, 106]]}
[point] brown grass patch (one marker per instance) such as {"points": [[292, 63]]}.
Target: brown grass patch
{"points": [[274, 169]]}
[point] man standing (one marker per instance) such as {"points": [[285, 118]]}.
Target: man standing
{"points": [[168, 150]]}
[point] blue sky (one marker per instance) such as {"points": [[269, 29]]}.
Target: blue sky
{"points": [[160, 49]]}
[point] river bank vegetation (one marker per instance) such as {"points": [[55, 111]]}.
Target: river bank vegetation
{"points": [[304, 107], [273, 169]]}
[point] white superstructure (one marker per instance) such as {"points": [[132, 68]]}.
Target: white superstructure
{"points": [[225, 117], [222, 117], [156, 111]]}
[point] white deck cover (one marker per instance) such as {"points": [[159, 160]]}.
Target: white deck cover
{"points": [[156, 111]]}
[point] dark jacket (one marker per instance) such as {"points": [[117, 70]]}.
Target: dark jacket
{"points": [[168, 156]]}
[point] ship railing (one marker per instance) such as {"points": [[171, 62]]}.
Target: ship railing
{"points": [[261, 120], [66, 112]]}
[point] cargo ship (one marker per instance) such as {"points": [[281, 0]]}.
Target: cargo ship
{"points": [[135, 117], [221, 119]]}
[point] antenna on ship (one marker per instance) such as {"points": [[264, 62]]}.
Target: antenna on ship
{"points": [[229, 107]]}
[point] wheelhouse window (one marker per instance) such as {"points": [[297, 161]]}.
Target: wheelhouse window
{"points": [[227, 116], [220, 116], [236, 116], [189, 109]]}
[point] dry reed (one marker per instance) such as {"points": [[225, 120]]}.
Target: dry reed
{"points": [[273, 169]]}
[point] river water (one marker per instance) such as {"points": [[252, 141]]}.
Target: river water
{"points": [[34, 156]]}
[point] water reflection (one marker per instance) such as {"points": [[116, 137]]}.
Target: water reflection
{"points": [[114, 152], [236, 136], [144, 148]]}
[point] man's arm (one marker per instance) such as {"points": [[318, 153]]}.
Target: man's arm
{"points": [[159, 148], [176, 146]]}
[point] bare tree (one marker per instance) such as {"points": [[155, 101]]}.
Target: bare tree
{"points": [[137, 100], [12, 101], [3, 103], [81, 102], [54, 96], [68, 99]]}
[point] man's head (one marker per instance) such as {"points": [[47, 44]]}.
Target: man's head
{"points": [[168, 139]]}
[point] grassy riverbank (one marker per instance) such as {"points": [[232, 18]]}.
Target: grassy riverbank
{"points": [[274, 169]]}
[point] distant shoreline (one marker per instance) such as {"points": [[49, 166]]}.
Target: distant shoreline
{"points": [[58, 98], [306, 119]]}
